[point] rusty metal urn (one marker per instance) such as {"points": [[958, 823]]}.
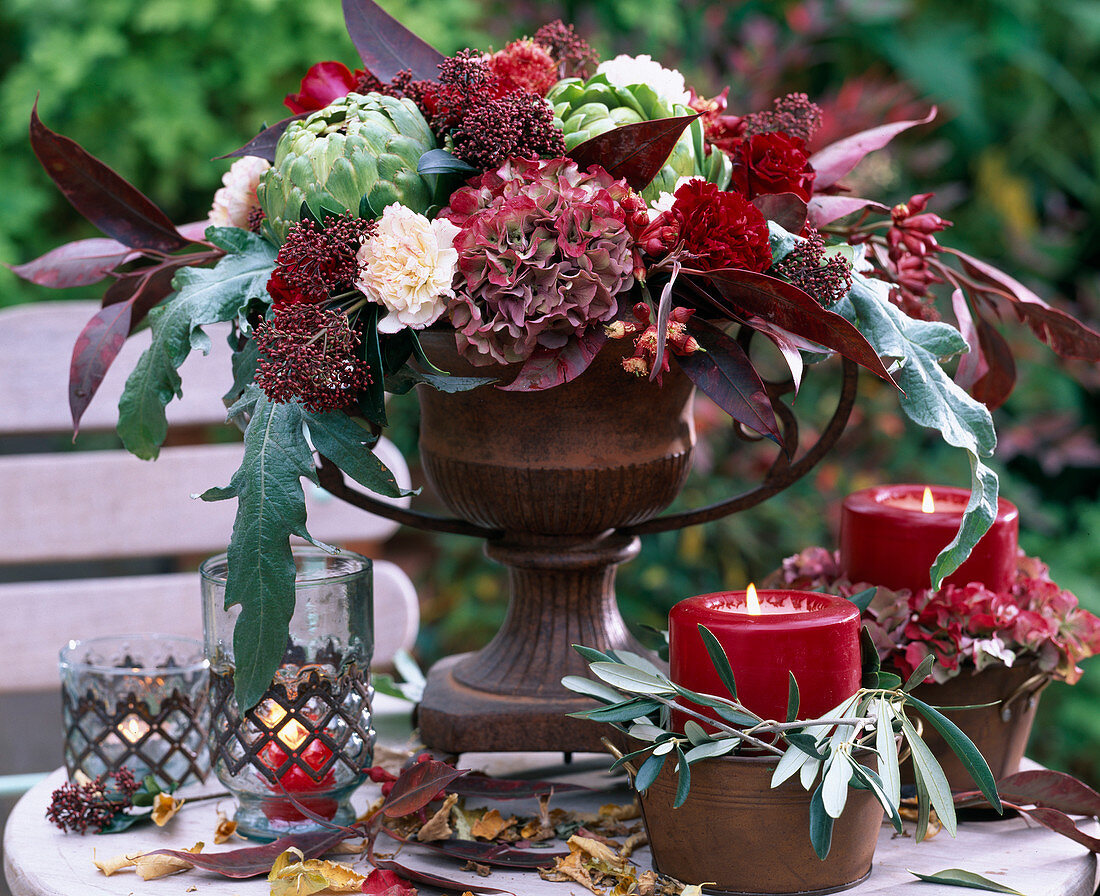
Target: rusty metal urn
{"points": [[737, 836]]}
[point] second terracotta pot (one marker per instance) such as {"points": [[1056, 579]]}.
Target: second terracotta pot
{"points": [[739, 836]]}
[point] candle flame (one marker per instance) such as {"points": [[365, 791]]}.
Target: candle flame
{"points": [[927, 504], [752, 602], [133, 729], [292, 733]]}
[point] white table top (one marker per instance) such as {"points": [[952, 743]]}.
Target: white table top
{"points": [[39, 860]]}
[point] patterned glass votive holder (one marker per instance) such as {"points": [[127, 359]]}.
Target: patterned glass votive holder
{"points": [[138, 701]]}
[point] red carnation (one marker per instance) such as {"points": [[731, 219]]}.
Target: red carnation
{"points": [[771, 163], [720, 229], [323, 83]]}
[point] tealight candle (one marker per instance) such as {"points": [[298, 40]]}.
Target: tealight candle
{"points": [[295, 755], [814, 636], [891, 534]]}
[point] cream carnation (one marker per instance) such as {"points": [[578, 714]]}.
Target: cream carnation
{"points": [[407, 267], [626, 71], [236, 200]]}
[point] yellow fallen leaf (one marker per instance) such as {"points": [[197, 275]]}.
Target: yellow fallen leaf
{"points": [[438, 826], [150, 867], [693, 890], [647, 883], [114, 864], [618, 812], [597, 851], [633, 842], [164, 807], [489, 826], [292, 875], [225, 829]]}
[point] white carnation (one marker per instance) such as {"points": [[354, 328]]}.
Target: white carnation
{"points": [[407, 267], [664, 201], [235, 202], [626, 71]]}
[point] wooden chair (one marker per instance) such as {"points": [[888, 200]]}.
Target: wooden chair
{"points": [[98, 542]]}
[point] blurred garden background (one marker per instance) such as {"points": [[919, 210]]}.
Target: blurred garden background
{"points": [[158, 88]]}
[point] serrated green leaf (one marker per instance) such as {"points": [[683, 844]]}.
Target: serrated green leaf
{"points": [[718, 658], [204, 296], [964, 748], [271, 507], [243, 363], [347, 444], [930, 776], [648, 772], [957, 877], [821, 826]]}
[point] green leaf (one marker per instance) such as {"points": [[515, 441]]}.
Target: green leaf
{"points": [[696, 733], [683, 779], [957, 877], [619, 712], [636, 661], [789, 764], [123, 821], [719, 659], [590, 688], [711, 749], [932, 399], [821, 826], [648, 773], [807, 743], [633, 681], [834, 786], [888, 681], [439, 161], [205, 296], [864, 598], [886, 746], [347, 444], [727, 712], [591, 655], [920, 673], [872, 665], [964, 748], [270, 508], [792, 698], [372, 400], [403, 380], [929, 775], [243, 363], [875, 784]]}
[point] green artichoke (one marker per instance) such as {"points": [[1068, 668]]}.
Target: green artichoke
{"points": [[584, 109], [363, 146]]}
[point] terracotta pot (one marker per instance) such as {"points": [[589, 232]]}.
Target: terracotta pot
{"points": [[1000, 732], [555, 473], [740, 836]]}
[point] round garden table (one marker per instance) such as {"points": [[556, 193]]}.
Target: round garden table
{"points": [[39, 860]]}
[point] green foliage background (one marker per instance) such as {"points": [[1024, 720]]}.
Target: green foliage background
{"points": [[157, 88]]}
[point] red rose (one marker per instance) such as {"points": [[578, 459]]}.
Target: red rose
{"points": [[282, 293], [720, 229], [771, 163]]}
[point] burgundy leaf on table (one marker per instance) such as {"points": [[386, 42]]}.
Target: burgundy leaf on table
{"points": [[633, 152], [264, 143], [386, 46], [1062, 824], [498, 854], [837, 159], [417, 786], [434, 880], [1052, 790], [79, 263], [1067, 337], [95, 350], [786, 209], [723, 371], [481, 787], [252, 861], [824, 210], [105, 198], [546, 368], [787, 306], [383, 882]]}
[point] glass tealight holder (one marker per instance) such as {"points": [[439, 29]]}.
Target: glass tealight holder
{"points": [[139, 702], [297, 755]]}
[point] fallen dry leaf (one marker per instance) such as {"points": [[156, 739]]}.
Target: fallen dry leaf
{"points": [[114, 864], [621, 812], [292, 875], [225, 830], [164, 807], [591, 864], [150, 867], [383, 882], [647, 883], [438, 826], [633, 842], [390, 759], [489, 826], [479, 870]]}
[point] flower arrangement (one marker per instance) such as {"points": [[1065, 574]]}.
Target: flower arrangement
{"points": [[965, 628], [542, 208]]}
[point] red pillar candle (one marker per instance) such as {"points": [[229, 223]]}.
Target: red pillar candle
{"points": [[886, 538], [815, 636]]}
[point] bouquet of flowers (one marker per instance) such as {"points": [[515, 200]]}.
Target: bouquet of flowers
{"points": [[966, 628], [541, 207]]}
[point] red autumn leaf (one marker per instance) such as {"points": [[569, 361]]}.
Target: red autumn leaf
{"points": [[79, 263], [434, 880], [498, 854], [633, 152], [383, 882], [95, 350], [386, 46], [1052, 790], [778, 302], [786, 209], [723, 371], [263, 144], [837, 159], [826, 209], [1062, 824], [252, 861], [479, 786], [418, 785], [546, 368], [1066, 336], [102, 196]]}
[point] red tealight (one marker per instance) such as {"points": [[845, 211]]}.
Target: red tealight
{"points": [[815, 636], [887, 539]]}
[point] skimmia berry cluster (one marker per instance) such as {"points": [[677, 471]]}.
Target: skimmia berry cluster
{"points": [[92, 805]]}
